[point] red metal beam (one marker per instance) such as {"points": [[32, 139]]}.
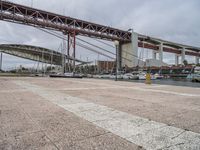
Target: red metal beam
{"points": [[34, 17], [192, 53], [171, 50], [148, 46], [156, 48]]}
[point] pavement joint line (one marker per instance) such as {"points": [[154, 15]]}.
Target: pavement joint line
{"points": [[179, 134], [22, 134], [13, 91], [150, 135], [171, 146], [36, 123]]}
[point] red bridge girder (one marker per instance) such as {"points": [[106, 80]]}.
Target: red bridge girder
{"points": [[156, 48], [148, 46], [34, 17]]}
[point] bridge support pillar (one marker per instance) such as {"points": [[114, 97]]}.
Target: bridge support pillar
{"points": [[197, 60], [129, 52], [161, 52], [176, 59], [182, 56]]}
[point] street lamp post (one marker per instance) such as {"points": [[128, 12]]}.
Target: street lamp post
{"points": [[31, 3], [117, 49], [1, 61]]}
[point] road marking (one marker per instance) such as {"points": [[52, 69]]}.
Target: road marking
{"points": [[149, 134]]}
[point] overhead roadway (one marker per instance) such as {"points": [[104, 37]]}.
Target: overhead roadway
{"points": [[171, 47], [20, 14], [35, 53]]}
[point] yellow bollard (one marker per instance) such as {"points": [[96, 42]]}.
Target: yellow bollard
{"points": [[148, 78]]}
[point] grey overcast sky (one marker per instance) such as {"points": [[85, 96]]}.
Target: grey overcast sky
{"points": [[173, 20]]}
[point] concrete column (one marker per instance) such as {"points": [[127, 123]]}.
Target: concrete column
{"points": [[154, 54], [161, 52], [197, 60], [134, 41], [129, 52], [176, 59], [182, 55]]}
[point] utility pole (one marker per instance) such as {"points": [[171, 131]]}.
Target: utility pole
{"points": [[31, 3], [87, 66], [1, 61], [38, 64], [74, 53], [98, 59], [117, 49], [42, 62], [63, 55], [51, 60], [68, 52]]}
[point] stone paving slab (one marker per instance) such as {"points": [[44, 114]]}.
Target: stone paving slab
{"points": [[101, 142], [148, 134], [28, 121], [29, 141]]}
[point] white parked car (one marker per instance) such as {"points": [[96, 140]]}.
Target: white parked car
{"points": [[128, 76], [68, 74]]}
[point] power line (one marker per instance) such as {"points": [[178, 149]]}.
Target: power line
{"points": [[95, 46], [103, 42], [91, 49]]}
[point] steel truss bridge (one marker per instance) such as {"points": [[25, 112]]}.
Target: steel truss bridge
{"points": [[35, 53], [20, 14]]}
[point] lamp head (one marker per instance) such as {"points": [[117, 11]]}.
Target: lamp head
{"points": [[116, 43], [130, 30]]}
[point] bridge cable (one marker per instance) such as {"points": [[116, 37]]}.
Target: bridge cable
{"points": [[81, 45], [59, 36]]}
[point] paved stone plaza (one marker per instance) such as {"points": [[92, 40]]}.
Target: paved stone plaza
{"points": [[87, 114]]}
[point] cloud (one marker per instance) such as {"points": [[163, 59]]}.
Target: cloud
{"points": [[176, 21]]}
